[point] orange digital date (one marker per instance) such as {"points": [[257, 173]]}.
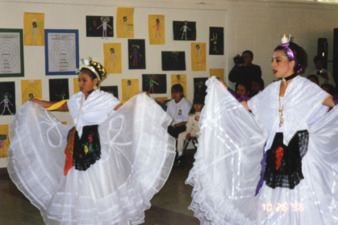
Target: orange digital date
{"points": [[283, 207]]}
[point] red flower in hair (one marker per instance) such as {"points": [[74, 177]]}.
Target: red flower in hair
{"points": [[279, 155]]}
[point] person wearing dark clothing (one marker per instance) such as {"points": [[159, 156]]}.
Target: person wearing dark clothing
{"points": [[244, 71]]}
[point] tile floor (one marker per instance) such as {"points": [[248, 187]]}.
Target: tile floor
{"points": [[169, 206]]}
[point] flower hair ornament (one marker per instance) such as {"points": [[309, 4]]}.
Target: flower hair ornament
{"points": [[285, 44], [96, 68]]}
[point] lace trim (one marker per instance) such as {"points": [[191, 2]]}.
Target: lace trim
{"points": [[206, 212]]}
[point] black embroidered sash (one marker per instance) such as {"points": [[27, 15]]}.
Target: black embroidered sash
{"points": [[87, 149], [284, 163]]}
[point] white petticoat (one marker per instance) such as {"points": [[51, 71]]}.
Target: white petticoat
{"points": [[227, 170], [136, 158]]}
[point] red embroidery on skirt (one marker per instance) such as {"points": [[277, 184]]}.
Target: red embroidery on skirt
{"points": [[69, 153], [279, 156]]}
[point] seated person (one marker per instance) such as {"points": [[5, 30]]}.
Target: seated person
{"points": [[192, 124], [178, 108], [241, 92], [256, 87]]}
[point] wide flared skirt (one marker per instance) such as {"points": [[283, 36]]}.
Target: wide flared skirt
{"points": [[227, 170], [136, 158]]}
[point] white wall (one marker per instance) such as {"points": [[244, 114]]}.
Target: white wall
{"points": [[259, 27], [248, 25], [73, 16]]}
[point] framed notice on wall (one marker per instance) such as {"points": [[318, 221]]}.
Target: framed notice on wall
{"points": [[62, 52], [11, 53]]}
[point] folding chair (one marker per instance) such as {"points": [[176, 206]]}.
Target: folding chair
{"points": [[194, 142]]}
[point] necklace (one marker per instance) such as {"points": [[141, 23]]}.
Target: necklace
{"points": [[289, 77], [280, 110], [281, 107]]}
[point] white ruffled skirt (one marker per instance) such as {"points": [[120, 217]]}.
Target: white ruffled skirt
{"points": [[228, 164], [137, 155]]}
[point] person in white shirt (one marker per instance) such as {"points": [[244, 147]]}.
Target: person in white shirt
{"points": [[178, 108]]}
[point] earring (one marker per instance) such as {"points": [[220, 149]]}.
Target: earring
{"points": [[95, 88]]}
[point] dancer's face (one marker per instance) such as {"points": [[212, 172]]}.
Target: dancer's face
{"points": [[86, 83], [281, 66]]}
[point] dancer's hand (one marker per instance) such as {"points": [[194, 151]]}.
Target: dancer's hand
{"points": [[43, 103], [35, 100]]}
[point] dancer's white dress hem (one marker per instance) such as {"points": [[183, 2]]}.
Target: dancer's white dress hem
{"points": [[136, 158]]}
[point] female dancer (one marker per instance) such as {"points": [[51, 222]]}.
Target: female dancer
{"points": [[112, 164], [277, 165]]}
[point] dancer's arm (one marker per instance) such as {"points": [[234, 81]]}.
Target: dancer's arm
{"points": [[329, 101], [118, 106], [46, 104]]}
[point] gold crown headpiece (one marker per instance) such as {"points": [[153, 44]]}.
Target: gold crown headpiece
{"points": [[96, 68]]}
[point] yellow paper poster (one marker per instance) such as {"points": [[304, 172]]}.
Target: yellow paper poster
{"points": [[125, 22], [156, 29], [4, 141], [34, 25], [198, 56], [180, 79], [31, 89], [130, 87], [76, 85], [219, 73], [112, 57]]}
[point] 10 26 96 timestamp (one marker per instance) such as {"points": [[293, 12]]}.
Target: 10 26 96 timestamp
{"points": [[283, 207]]}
